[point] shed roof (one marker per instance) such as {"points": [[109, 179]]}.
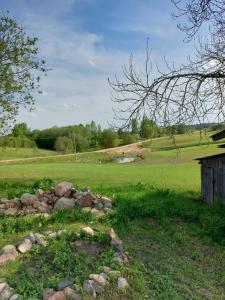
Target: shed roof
{"points": [[211, 156], [218, 136]]}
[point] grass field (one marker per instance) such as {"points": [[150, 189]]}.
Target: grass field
{"points": [[11, 153], [181, 140], [176, 242]]}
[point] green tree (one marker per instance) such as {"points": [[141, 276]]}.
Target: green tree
{"points": [[148, 128], [20, 70], [134, 126], [63, 144], [127, 138], [108, 138], [20, 129]]}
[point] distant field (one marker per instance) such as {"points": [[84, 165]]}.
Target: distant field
{"points": [[11, 153], [181, 140]]}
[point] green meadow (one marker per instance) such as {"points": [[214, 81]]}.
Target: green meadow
{"points": [[175, 241]]}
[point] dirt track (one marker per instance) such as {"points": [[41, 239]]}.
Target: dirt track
{"points": [[127, 149]]}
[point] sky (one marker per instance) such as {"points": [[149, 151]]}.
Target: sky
{"points": [[86, 41]]}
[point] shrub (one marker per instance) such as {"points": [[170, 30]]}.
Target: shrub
{"points": [[63, 144]]}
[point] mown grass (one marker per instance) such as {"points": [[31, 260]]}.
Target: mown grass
{"points": [[13, 153], [174, 176], [180, 141]]}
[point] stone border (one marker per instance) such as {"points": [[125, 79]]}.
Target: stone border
{"points": [[94, 285]]}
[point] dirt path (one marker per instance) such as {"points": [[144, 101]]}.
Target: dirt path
{"points": [[127, 149]]}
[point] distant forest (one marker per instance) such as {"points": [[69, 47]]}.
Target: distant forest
{"points": [[89, 137]]}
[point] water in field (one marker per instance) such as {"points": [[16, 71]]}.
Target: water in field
{"points": [[123, 160]]}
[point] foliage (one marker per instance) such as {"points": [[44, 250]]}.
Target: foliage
{"points": [[63, 144], [148, 128], [108, 138], [20, 69], [128, 138], [134, 126], [17, 142], [20, 129], [45, 184]]}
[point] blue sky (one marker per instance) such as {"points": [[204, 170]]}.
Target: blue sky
{"points": [[86, 41]]}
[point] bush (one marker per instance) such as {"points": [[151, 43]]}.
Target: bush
{"points": [[128, 138], [17, 142], [63, 144], [109, 138]]}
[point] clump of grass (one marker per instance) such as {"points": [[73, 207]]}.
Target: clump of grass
{"points": [[164, 203]]}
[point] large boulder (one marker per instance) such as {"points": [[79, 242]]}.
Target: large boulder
{"points": [[63, 189], [85, 199], [28, 199], [64, 204]]}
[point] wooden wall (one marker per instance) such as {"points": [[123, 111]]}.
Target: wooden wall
{"points": [[213, 179]]}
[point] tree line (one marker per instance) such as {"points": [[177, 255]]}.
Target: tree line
{"points": [[89, 137]]}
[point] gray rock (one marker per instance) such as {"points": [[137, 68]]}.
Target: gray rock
{"points": [[9, 252], [64, 204], [28, 199], [117, 244], [25, 246], [6, 293], [92, 288], [105, 200], [111, 233], [31, 237], [39, 193], [89, 288], [63, 188], [71, 294], [85, 199], [64, 283], [122, 283], [88, 230], [97, 213], [52, 234], [108, 205], [49, 294], [3, 285], [14, 297], [40, 239], [104, 275], [98, 279], [11, 212]]}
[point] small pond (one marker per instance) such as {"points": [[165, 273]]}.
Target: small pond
{"points": [[124, 160]]}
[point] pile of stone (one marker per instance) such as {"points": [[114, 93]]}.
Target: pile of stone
{"points": [[61, 197]]}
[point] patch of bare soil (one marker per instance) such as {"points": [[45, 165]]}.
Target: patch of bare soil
{"points": [[92, 249], [127, 149]]}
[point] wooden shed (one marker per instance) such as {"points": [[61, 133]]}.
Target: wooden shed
{"points": [[213, 174]]}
